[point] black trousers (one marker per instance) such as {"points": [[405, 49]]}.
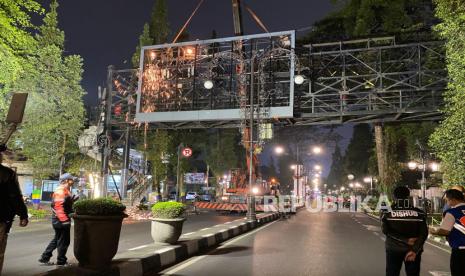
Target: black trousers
{"points": [[60, 242], [394, 261], [457, 262]]}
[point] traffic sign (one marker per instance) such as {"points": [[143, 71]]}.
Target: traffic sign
{"points": [[187, 152]]}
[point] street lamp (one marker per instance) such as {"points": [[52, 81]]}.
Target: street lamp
{"points": [[434, 167], [317, 150], [299, 79], [255, 190], [317, 167], [350, 177], [208, 84], [279, 150], [369, 179], [412, 165]]}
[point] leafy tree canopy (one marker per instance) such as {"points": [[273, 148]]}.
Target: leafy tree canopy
{"points": [[448, 140], [16, 42]]}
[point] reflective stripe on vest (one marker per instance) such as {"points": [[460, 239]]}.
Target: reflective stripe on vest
{"points": [[457, 234]]}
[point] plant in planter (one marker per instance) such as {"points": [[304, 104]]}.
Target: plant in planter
{"points": [[97, 227], [167, 221]]}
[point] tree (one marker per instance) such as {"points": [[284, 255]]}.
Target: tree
{"points": [[144, 40], [336, 173], [159, 26], [285, 173], [157, 155], [223, 151], [154, 33], [359, 151], [16, 42], [54, 114], [448, 140]]}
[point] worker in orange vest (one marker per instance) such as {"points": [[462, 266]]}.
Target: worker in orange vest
{"points": [[62, 203]]}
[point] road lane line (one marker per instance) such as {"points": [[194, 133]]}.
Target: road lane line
{"points": [[438, 247], [427, 242], [138, 247], [187, 234], [198, 258], [440, 273], [203, 229]]}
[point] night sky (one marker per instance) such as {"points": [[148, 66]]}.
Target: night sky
{"points": [[106, 32]]}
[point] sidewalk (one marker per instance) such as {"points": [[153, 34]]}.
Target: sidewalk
{"points": [[152, 258]]}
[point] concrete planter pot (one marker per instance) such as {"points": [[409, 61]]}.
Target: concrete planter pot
{"points": [[166, 231], [96, 240]]}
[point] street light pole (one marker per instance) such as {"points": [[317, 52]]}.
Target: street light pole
{"points": [[178, 182], [371, 185], [423, 183], [251, 215]]}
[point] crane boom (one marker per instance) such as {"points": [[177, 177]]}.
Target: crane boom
{"points": [[237, 17]]}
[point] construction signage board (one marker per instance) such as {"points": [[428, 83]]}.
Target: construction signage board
{"points": [[209, 80]]}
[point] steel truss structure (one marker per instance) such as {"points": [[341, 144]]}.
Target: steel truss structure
{"points": [[371, 80]]}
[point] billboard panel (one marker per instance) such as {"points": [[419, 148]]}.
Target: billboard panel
{"points": [[194, 178], [210, 80]]}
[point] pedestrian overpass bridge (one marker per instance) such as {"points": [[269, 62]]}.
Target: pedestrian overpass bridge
{"points": [[208, 84]]}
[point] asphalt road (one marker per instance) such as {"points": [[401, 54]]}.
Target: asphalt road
{"points": [[307, 244], [25, 245]]}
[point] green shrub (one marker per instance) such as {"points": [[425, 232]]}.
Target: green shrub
{"points": [[37, 213], [99, 207], [168, 210]]}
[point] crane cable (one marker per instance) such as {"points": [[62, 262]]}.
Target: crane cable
{"points": [[187, 22], [256, 18], [252, 13]]}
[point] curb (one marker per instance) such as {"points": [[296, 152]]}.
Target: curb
{"points": [[171, 255]]}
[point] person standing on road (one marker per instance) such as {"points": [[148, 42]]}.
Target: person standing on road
{"points": [[62, 203], [11, 204], [453, 226], [406, 231], [455, 187]]}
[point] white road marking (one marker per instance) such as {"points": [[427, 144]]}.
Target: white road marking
{"points": [[187, 234], [198, 258], [440, 273], [203, 229], [138, 247], [427, 242], [438, 247], [372, 227]]}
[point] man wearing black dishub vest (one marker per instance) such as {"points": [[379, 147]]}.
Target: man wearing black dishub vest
{"points": [[406, 231]]}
